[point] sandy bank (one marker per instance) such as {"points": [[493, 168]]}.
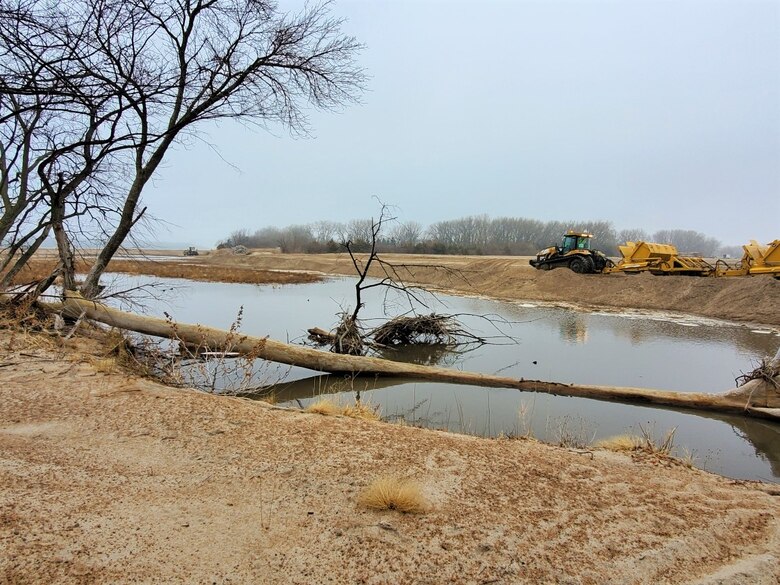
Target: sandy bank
{"points": [[113, 479]]}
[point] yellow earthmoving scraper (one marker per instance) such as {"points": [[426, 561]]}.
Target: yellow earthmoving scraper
{"points": [[659, 259], [757, 259]]}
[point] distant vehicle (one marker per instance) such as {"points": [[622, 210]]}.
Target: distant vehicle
{"points": [[191, 251], [574, 253]]}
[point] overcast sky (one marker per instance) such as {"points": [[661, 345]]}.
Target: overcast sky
{"points": [[659, 114]]}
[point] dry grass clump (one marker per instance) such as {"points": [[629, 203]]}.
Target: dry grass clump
{"points": [[104, 365], [361, 410], [358, 410], [393, 493], [30, 329], [324, 406], [619, 443], [647, 444]]}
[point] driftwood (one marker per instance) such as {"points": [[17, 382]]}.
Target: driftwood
{"points": [[758, 400]]}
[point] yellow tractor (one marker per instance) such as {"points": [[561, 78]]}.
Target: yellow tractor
{"points": [[574, 253]]}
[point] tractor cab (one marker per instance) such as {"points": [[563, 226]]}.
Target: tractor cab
{"points": [[575, 241]]}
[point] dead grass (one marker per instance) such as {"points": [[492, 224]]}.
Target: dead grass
{"points": [[619, 443], [657, 446], [328, 407], [325, 407], [104, 365], [40, 268], [648, 445], [361, 410], [394, 493], [210, 272]]}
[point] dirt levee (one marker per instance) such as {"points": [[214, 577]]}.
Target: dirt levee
{"points": [[750, 298]]}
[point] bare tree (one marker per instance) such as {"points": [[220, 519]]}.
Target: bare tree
{"points": [[373, 271], [480, 234], [633, 235], [325, 231], [406, 235], [295, 238], [688, 241], [362, 234], [133, 77]]}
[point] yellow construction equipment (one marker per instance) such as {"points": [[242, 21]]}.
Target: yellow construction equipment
{"points": [[757, 259], [659, 259], [574, 253]]}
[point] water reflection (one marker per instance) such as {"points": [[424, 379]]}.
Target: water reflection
{"points": [[732, 445], [636, 326], [574, 328], [426, 355]]}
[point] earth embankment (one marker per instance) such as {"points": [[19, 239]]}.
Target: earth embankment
{"points": [[754, 299]]}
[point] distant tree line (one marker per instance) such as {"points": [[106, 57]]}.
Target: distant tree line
{"points": [[473, 235]]}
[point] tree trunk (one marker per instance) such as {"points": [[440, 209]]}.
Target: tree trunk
{"points": [[64, 247], [21, 262], [275, 351], [91, 286]]}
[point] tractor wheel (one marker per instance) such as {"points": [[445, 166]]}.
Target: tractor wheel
{"points": [[578, 265], [590, 265]]}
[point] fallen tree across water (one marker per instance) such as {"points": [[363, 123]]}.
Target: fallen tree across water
{"points": [[755, 398]]}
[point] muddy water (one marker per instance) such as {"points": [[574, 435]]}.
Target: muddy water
{"points": [[527, 340]]}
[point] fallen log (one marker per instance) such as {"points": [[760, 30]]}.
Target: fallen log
{"points": [[756, 398]]}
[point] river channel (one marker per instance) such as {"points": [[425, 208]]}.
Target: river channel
{"points": [[527, 340]]}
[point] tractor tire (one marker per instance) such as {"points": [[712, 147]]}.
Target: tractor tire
{"points": [[578, 265], [590, 265]]}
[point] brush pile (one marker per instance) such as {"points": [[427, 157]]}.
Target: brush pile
{"points": [[767, 370], [348, 337], [418, 330], [442, 332]]}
